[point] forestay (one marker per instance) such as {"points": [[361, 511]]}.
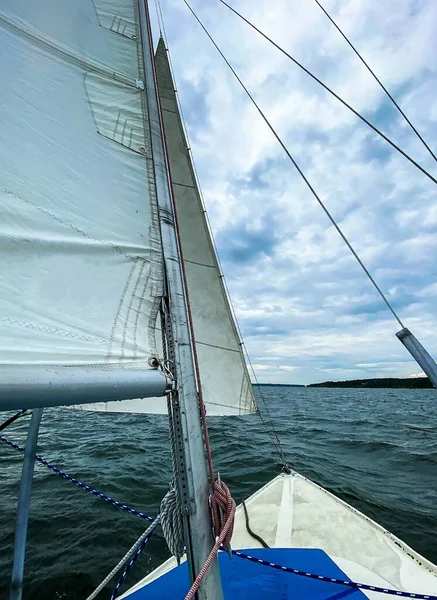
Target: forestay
{"points": [[81, 274]]}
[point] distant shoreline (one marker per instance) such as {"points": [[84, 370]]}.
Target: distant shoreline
{"points": [[416, 383], [279, 385]]}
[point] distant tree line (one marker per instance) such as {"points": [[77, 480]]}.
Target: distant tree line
{"points": [[389, 382]]}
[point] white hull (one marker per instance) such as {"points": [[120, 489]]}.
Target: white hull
{"points": [[293, 512]]}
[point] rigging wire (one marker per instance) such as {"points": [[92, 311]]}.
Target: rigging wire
{"points": [[271, 430], [377, 79], [159, 16], [328, 89], [301, 173]]}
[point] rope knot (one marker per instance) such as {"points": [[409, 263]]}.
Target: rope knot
{"points": [[223, 512], [223, 509]]}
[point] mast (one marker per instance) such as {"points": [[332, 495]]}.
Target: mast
{"points": [[189, 453]]}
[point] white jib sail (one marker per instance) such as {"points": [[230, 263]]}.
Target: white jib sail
{"points": [[81, 263], [225, 381]]}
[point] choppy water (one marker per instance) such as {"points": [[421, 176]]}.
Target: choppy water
{"points": [[376, 449]]}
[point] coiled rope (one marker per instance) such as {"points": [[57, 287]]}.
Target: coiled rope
{"points": [[172, 524], [223, 500], [223, 509]]}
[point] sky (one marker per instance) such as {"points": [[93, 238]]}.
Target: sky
{"points": [[306, 310]]}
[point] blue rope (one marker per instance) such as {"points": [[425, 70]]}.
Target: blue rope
{"points": [[352, 584], [133, 559], [85, 487], [128, 566]]}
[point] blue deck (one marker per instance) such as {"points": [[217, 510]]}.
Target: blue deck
{"points": [[245, 580]]}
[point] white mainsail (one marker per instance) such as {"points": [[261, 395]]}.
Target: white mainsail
{"points": [[81, 274]]}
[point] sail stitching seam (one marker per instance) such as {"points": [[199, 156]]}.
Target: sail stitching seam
{"points": [[128, 147], [152, 323], [67, 53], [222, 405], [156, 269], [186, 185], [116, 248], [193, 262], [218, 347], [43, 328], [129, 308], [138, 311], [117, 314], [242, 392], [137, 317], [169, 109]]}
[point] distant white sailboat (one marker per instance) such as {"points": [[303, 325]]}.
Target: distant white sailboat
{"points": [[113, 300]]}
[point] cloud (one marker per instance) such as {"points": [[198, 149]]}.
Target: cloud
{"points": [[420, 374], [306, 309]]}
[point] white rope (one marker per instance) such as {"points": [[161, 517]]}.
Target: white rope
{"points": [[170, 517], [172, 524], [125, 558]]}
